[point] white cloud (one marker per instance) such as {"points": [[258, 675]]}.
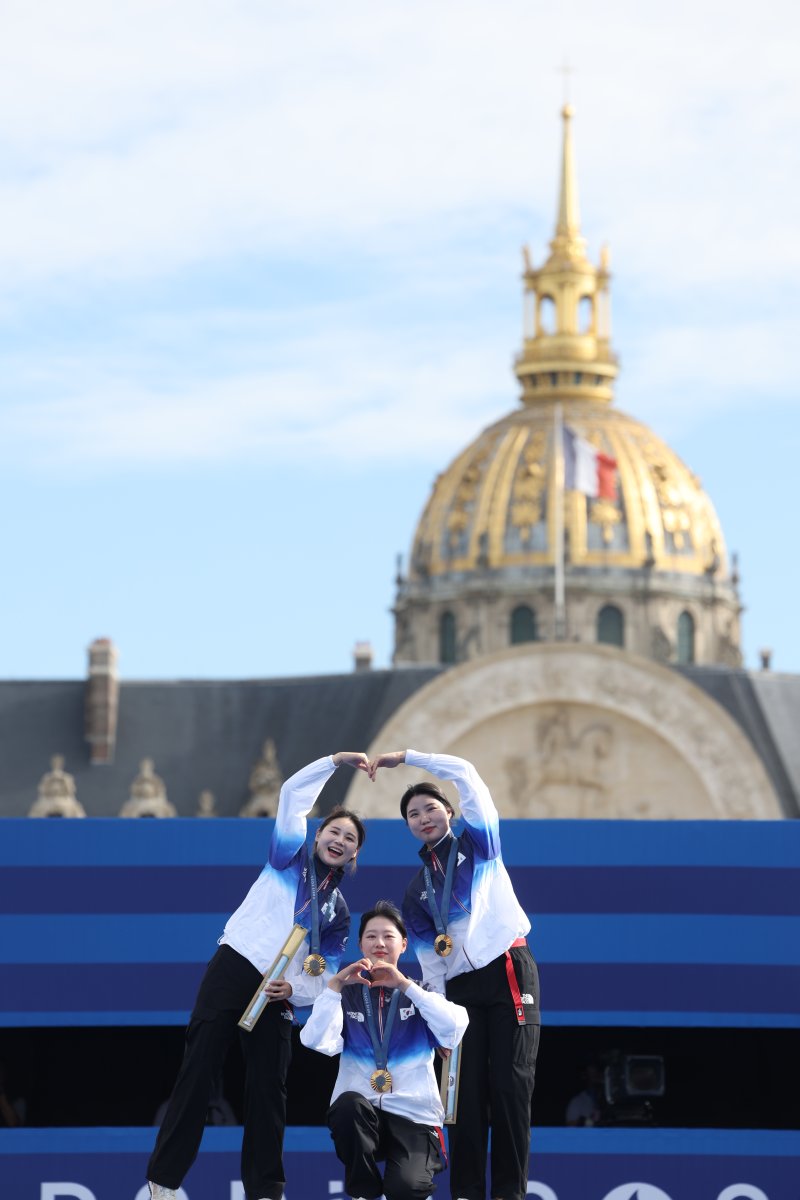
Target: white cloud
{"points": [[341, 399], [151, 136], [358, 177], [143, 139]]}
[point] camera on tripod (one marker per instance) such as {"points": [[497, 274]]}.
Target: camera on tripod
{"points": [[630, 1084]]}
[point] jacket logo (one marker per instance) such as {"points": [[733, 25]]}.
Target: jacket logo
{"points": [[424, 895], [526, 998], [356, 1016], [405, 1013], [461, 858], [287, 1016]]}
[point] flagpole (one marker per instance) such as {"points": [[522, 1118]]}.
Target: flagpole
{"points": [[558, 461]]}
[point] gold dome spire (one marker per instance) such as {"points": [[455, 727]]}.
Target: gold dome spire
{"points": [[566, 351], [568, 240]]}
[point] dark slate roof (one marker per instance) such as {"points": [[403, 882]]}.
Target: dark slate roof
{"points": [[208, 734], [768, 712], [779, 698], [200, 734]]}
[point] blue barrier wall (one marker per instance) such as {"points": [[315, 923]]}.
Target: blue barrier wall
{"points": [[566, 1164], [110, 922]]}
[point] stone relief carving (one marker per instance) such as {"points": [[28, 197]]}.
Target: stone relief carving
{"points": [[573, 765], [519, 785], [612, 735]]}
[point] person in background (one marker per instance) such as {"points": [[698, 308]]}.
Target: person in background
{"points": [[588, 1106], [12, 1110]]}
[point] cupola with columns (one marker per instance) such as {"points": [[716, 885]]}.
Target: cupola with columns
{"points": [[566, 352]]}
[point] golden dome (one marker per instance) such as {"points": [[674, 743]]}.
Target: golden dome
{"points": [[508, 547], [494, 507]]}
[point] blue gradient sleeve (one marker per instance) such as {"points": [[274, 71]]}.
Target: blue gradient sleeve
{"points": [[298, 796]]}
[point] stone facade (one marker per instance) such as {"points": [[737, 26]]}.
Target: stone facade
{"points": [[579, 731], [482, 613]]}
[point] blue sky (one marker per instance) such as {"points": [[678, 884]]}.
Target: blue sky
{"points": [[259, 283]]}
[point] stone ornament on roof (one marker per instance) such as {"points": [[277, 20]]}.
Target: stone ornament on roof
{"points": [[206, 805], [56, 796], [148, 796], [265, 784]]}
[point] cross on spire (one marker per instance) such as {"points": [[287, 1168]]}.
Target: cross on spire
{"points": [[566, 71]]}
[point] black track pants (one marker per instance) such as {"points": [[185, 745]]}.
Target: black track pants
{"points": [[498, 1063], [364, 1135], [227, 988]]}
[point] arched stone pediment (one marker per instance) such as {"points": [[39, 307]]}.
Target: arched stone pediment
{"points": [[565, 730]]}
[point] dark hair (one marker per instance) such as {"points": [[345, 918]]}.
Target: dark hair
{"points": [[424, 789], [383, 908], [338, 814], [345, 814]]}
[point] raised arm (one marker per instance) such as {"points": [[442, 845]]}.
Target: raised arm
{"points": [[351, 758], [391, 759], [477, 807], [298, 796]]}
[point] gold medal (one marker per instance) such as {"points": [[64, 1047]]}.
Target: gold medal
{"points": [[381, 1081], [314, 964], [443, 945]]}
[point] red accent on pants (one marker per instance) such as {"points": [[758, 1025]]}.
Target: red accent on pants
{"points": [[512, 982]]}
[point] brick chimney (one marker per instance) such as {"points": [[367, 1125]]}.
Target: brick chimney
{"points": [[362, 657], [102, 701]]}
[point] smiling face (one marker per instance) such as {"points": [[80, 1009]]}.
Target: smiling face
{"points": [[337, 844], [382, 941], [427, 818]]}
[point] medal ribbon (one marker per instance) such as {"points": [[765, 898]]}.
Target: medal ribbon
{"points": [[380, 1045], [440, 914], [312, 883]]}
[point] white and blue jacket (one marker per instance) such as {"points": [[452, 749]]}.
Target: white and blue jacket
{"points": [[424, 1020], [485, 917], [281, 894]]}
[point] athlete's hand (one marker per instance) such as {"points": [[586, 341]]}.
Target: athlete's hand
{"points": [[352, 973], [386, 974], [391, 759], [353, 758], [278, 989]]}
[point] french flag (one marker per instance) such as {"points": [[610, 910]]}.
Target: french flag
{"points": [[587, 469]]}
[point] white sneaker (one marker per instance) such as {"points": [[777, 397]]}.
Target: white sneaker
{"points": [[158, 1192]]}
